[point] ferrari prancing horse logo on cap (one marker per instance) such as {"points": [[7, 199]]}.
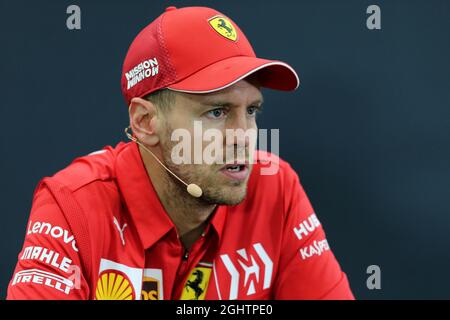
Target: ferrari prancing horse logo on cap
{"points": [[224, 27]]}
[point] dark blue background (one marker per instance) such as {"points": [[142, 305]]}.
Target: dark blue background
{"points": [[368, 131]]}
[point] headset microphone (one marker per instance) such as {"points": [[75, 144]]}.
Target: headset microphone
{"points": [[193, 189]]}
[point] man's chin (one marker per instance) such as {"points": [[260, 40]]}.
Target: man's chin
{"points": [[231, 201], [229, 196]]}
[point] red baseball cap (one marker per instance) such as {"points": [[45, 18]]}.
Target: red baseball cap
{"points": [[196, 50]]}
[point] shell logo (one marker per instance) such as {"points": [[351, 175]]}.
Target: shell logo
{"points": [[114, 285]]}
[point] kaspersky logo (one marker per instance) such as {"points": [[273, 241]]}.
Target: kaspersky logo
{"points": [[224, 27], [251, 269]]}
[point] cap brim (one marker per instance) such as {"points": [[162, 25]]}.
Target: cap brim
{"points": [[272, 74]]}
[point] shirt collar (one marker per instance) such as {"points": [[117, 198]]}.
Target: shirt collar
{"points": [[143, 203], [218, 219]]}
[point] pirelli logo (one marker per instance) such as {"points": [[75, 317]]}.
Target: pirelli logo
{"points": [[48, 279]]}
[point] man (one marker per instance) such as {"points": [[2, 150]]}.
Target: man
{"points": [[135, 222]]}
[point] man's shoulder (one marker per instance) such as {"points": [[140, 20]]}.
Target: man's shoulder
{"points": [[89, 182], [97, 166]]}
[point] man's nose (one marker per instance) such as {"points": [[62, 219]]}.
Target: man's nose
{"points": [[237, 130]]}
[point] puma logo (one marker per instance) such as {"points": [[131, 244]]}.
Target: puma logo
{"points": [[121, 230]]}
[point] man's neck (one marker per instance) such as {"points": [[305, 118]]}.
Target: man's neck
{"points": [[189, 214]]}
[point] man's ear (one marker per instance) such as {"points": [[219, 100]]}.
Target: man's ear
{"points": [[144, 121]]}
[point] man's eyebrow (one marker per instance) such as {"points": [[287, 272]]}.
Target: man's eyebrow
{"points": [[223, 103]]}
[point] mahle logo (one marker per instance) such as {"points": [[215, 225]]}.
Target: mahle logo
{"points": [[224, 27]]}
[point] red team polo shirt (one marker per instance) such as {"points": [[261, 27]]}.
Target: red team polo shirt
{"points": [[270, 246]]}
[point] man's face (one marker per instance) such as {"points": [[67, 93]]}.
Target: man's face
{"points": [[226, 111]]}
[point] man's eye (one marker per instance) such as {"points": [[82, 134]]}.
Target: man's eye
{"points": [[216, 113], [252, 110]]}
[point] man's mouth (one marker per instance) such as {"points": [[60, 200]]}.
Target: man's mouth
{"points": [[236, 171], [235, 168]]}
